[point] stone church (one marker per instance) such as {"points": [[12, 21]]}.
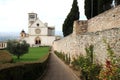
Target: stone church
{"points": [[39, 33]]}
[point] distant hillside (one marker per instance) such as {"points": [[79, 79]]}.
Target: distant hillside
{"points": [[4, 36], [8, 36]]}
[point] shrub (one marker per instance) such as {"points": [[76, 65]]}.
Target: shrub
{"points": [[63, 56], [67, 58], [89, 51], [111, 70], [17, 48], [23, 71], [80, 62], [85, 64], [89, 71], [60, 55]]}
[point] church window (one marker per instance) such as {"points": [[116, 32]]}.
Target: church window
{"points": [[38, 24], [32, 16]]}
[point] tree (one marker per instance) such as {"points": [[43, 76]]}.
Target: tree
{"points": [[88, 8], [100, 6], [107, 4], [117, 2], [95, 10], [17, 48], [104, 5], [71, 17], [95, 7], [91, 9]]}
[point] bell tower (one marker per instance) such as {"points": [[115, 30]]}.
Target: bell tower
{"points": [[32, 17]]}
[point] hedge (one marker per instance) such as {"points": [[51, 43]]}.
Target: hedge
{"points": [[23, 71]]}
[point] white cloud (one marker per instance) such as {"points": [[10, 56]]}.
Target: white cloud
{"points": [[14, 17]]}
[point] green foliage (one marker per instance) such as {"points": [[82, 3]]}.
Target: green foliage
{"points": [[95, 10], [111, 71], [80, 62], [107, 4], [89, 52], [117, 2], [60, 55], [67, 59], [95, 7], [88, 8], [17, 48], [23, 71], [89, 70], [91, 9], [71, 17], [104, 5], [63, 56], [34, 54], [100, 6]]}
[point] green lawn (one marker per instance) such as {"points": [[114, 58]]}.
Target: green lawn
{"points": [[34, 54]]}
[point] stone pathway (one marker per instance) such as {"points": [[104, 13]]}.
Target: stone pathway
{"points": [[57, 70]]}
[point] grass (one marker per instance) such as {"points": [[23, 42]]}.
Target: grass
{"points": [[34, 54]]}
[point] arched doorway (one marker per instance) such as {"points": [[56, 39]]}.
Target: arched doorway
{"points": [[37, 41]]}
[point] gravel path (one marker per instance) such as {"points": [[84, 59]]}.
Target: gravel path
{"points": [[57, 70]]}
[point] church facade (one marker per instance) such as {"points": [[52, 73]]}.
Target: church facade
{"points": [[39, 33]]}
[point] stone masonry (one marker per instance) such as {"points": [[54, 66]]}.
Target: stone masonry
{"points": [[107, 20], [105, 26], [75, 45]]}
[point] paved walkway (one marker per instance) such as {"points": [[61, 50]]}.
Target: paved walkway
{"points": [[57, 70]]}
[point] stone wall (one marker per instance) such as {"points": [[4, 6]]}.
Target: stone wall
{"points": [[80, 26], [66, 45], [75, 44], [108, 19], [105, 26]]}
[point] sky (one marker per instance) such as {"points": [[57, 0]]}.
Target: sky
{"points": [[14, 13]]}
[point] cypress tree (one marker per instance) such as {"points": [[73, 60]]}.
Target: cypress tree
{"points": [[95, 10], [117, 2], [71, 17], [88, 8], [100, 6], [107, 4], [95, 7], [91, 8], [104, 5]]}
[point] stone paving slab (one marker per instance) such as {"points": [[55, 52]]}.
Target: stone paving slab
{"points": [[57, 70]]}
